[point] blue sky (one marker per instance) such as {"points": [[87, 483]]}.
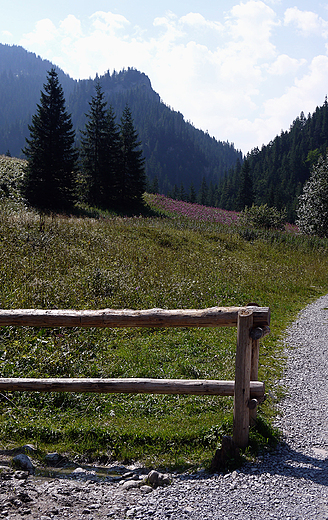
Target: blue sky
{"points": [[242, 70]]}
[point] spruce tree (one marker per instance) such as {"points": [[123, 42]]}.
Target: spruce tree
{"points": [[182, 193], [132, 177], [192, 197], [101, 151], [154, 186], [203, 193], [245, 195], [51, 157]]}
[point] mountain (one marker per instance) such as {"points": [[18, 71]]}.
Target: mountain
{"points": [[279, 170], [22, 75], [176, 152]]}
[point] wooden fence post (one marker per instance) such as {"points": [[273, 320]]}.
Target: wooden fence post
{"points": [[252, 324], [254, 376], [256, 335], [242, 378]]}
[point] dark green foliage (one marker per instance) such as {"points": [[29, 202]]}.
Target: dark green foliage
{"points": [[263, 217], [192, 194], [174, 150], [280, 169], [131, 180], [174, 193], [228, 188], [153, 187], [49, 179], [245, 196], [100, 151], [203, 193]]}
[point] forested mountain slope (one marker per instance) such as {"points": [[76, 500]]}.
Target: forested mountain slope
{"points": [[22, 75], [175, 151], [279, 170]]}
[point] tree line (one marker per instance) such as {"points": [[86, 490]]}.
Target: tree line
{"points": [[233, 192], [280, 169], [273, 176]]}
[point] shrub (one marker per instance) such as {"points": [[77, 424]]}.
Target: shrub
{"points": [[263, 216], [312, 213]]}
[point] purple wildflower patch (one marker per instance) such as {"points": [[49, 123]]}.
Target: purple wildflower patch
{"points": [[193, 211]]}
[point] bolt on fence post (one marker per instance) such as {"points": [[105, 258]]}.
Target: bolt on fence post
{"points": [[242, 378]]}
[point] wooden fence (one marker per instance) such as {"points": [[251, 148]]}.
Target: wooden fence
{"points": [[252, 324]]}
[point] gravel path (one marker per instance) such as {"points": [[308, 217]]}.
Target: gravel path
{"points": [[289, 484]]}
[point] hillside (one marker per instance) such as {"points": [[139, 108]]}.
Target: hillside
{"points": [[175, 151], [11, 174], [280, 169], [185, 256]]}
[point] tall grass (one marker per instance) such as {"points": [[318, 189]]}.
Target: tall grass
{"points": [[140, 262]]}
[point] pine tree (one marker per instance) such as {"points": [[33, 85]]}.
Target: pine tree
{"points": [[192, 194], [154, 186], [51, 157], [132, 177], [211, 195], [100, 151], [174, 194], [182, 193], [245, 195], [203, 193]]}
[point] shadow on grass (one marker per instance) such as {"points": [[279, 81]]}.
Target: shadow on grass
{"points": [[131, 210]]}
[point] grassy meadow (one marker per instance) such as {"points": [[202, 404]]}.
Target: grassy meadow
{"points": [[173, 259]]}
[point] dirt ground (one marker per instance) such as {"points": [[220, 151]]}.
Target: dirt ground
{"points": [[71, 491]]}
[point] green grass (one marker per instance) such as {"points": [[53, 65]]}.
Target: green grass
{"points": [[141, 262]]}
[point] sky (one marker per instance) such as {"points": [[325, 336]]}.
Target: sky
{"points": [[241, 70]]}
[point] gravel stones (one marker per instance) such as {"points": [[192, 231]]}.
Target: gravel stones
{"points": [[156, 479], [290, 483]]}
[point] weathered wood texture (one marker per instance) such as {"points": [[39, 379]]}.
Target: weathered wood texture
{"points": [[211, 317], [242, 377], [252, 323], [254, 374], [129, 385]]}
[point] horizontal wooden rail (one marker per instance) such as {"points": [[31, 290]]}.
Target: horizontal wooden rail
{"points": [[129, 386], [252, 324], [211, 317]]}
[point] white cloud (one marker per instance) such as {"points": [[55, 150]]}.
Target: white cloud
{"points": [[251, 26], [172, 31], [217, 84], [44, 31], [217, 74], [304, 95], [307, 22], [284, 64], [197, 20], [108, 22], [313, 85], [72, 26]]}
